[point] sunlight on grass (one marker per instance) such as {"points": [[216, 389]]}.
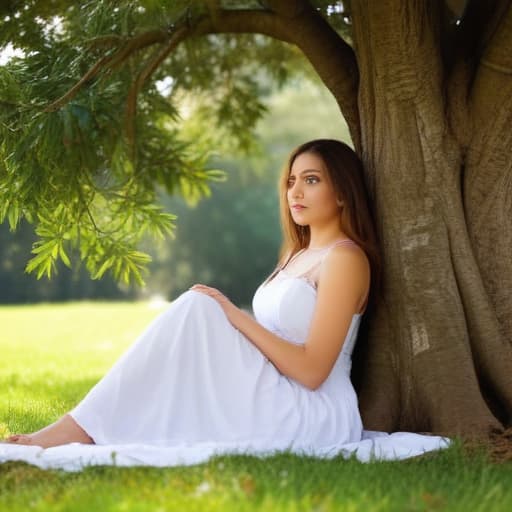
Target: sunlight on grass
{"points": [[52, 354]]}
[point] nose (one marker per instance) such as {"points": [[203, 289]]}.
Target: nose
{"points": [[295, 189]]}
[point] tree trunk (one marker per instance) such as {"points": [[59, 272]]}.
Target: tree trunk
{"points": [[487, 180], [436, 358]]}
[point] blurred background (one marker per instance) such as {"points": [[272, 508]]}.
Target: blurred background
{"points": [[229, 240]]}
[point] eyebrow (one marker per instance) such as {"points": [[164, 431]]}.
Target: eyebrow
{"points": [[307, 171]]}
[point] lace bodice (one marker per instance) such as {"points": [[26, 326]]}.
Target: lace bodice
{"points": [[285, 306], [286, 303]]}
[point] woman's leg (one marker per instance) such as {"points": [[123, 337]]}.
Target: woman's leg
{"points": [[64, 431]]}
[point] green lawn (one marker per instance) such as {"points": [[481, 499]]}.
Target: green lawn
{"points": [[52, 354]]}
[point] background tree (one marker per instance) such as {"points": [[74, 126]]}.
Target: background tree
{"points": [[16, 286], [425, 89]]}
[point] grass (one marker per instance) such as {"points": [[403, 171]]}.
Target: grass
{"points": [[52, 354]]}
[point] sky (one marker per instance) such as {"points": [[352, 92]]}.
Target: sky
{"points": [[7, 52]]}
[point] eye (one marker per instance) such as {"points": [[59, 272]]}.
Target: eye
{"points": [[311, 179], [290, 182]]}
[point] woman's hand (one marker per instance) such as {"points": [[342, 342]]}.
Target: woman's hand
{"points": [[233, 313]]}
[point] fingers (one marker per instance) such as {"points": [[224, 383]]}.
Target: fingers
{"points": [[205, 289], [211, 292]]}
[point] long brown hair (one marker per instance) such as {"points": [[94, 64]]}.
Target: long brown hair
{"points": [[345, 171]]}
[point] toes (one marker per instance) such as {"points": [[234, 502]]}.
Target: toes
{"points": [[19, 439]]}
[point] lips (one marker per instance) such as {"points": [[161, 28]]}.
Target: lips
{"points": [[298, 207]]}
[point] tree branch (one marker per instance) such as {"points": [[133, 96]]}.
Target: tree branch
{"points": [[247, 21], [291, 21], [331, 57], [288, 8], [160, 55], [110, 61], [213, 7], [108, 41], [102, 63]]}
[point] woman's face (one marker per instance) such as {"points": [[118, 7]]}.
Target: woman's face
{"points": [[311, 196]]}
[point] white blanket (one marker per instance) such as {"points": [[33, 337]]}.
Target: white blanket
{"points": [[75, 456]]}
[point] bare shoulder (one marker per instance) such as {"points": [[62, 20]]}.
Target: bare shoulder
{"points": [[346, 266], [347, 258]]}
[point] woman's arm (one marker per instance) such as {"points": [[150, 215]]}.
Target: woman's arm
{"points": [[343, 282]]}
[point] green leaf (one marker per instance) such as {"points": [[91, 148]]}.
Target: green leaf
{"points": [[104, 267], [64, 257], [71, 171], [13, 215]]}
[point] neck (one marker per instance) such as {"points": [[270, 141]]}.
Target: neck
{"points": [[325, 238]]}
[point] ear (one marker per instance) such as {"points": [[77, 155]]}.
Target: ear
{"points": [[339, 202]]}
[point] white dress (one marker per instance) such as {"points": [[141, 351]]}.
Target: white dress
{"points": [[192, 377], [192, 386]]}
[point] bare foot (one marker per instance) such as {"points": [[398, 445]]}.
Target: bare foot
{"points": [[19, 439], [64, 431]]}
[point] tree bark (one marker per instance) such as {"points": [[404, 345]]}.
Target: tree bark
{"points": [[436, 359], [487, 180]]}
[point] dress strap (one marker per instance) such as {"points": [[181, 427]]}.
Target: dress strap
{"points": [[322, 252], [346, 241], [294, 257], [280, 267], [311, 273]]}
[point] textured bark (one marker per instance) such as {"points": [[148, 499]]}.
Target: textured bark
{"points": [[488, 177], [488, 203], [437, 333]]}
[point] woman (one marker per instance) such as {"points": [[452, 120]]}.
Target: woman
{"points": [[206, 371]]}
